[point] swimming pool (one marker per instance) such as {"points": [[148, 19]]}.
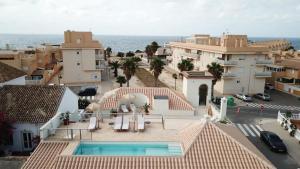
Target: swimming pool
{"points": [[129, 149]]}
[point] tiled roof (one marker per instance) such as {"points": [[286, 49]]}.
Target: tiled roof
{"points": [[8, 73], [291, 63], [210, 148], [175, 101], [34, 104]]}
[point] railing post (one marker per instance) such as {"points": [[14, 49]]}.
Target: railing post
{"points": [[71, 134], [80, 134], [91, 136]]}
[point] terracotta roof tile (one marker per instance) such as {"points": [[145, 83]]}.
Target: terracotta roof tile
{"points": [[211, 148], [8, 73], [34, 104], [176, 102]]}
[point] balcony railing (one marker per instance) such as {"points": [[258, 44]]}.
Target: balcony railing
{"points": [[101, 66], [263, 74], [264, 62], [34, 82], [227, 62], [228, 75], [192, 55]]}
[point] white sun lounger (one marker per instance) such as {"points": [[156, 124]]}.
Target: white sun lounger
{"points": [[93, 123], [125, 125], [124, 108], [132, 107], [141, 123], [118, 123]]}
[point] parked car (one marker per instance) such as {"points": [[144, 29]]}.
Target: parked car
{"points": [[88, 91], [269, 86], [263, 96], [273, 141], [244, 97]]}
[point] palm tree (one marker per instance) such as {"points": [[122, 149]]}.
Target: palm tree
{"points": [[151, 49], [107, 52], [216, 70], [115, 65], [185, 65], [156, 66], [129, 68], [174, 75], [121, 80]]}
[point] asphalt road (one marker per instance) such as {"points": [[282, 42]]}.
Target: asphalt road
{"points": [[253, 116]]}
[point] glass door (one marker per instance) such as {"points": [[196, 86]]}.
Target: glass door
{"points": [[27, 141]]}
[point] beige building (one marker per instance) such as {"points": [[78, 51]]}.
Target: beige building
{"points": [[83, 58], [244, 64]]}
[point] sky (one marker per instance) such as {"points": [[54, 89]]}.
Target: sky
{"points": [[260, 18]]}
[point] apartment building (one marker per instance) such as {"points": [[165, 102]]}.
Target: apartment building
{"points": [[83, 59], [286, 76], [244, 63]]}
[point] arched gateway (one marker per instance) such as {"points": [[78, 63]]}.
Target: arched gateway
{"points": [[197, 87]]}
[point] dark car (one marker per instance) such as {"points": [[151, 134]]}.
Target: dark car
{"points": [[269, 86], [273, 141], [263, 96], [88, 91]]}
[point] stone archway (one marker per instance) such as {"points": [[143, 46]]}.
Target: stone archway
{"points": [[203, 90]]}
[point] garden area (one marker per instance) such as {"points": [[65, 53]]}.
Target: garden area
{"points": [[147, 78]]}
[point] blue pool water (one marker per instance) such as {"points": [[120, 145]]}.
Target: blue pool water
{"points": [[129, 149]]}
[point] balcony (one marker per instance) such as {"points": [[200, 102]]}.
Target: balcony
{"points": [[192, 55], [263, 62], [263, 74], [101, 66], [99, 57], [228, 75], [227, 62]]}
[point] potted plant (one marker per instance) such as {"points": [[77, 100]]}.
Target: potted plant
{"points": [[65, 117], [113, 112], [288, 114], [146, 108]]}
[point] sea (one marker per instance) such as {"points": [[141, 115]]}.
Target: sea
{"points": [[118, 43]]}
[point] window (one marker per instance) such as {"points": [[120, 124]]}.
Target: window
{"points": [[27, 140], [78, 64], [77, 52], [78, 41]]}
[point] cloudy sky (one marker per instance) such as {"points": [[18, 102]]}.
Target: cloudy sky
{"points": [[275, 18]]}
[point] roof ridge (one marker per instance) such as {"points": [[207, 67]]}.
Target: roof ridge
{"points": [[241, 145]]}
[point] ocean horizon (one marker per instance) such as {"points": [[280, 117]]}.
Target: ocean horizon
{"points": [[118, 43]]}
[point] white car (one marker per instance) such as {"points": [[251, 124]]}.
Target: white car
{"points": [[244, 97]]}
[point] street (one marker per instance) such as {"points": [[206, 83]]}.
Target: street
{"points": [[251, 120]]}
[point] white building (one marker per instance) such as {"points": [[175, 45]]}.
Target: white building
{"points": [[30, 107], [83, 59], [11, 76], [244, 64]]}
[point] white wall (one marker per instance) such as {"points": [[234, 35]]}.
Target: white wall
{"points": [[160, 106], [49, 127], [17, 134], [17, 81], [190, 90], [69, 102]]}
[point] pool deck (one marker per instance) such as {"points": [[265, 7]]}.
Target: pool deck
{"points": [[153, 131]]}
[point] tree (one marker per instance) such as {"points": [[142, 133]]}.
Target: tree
{"points": [[6, 129], [115, 65], [120, 54], [136, 59], [156, 66], [151, 49], [174, 75], [216, 70], [130, 54], [108, 52], [185, 65], [138, 51], [129, 68], [121, 80]]}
